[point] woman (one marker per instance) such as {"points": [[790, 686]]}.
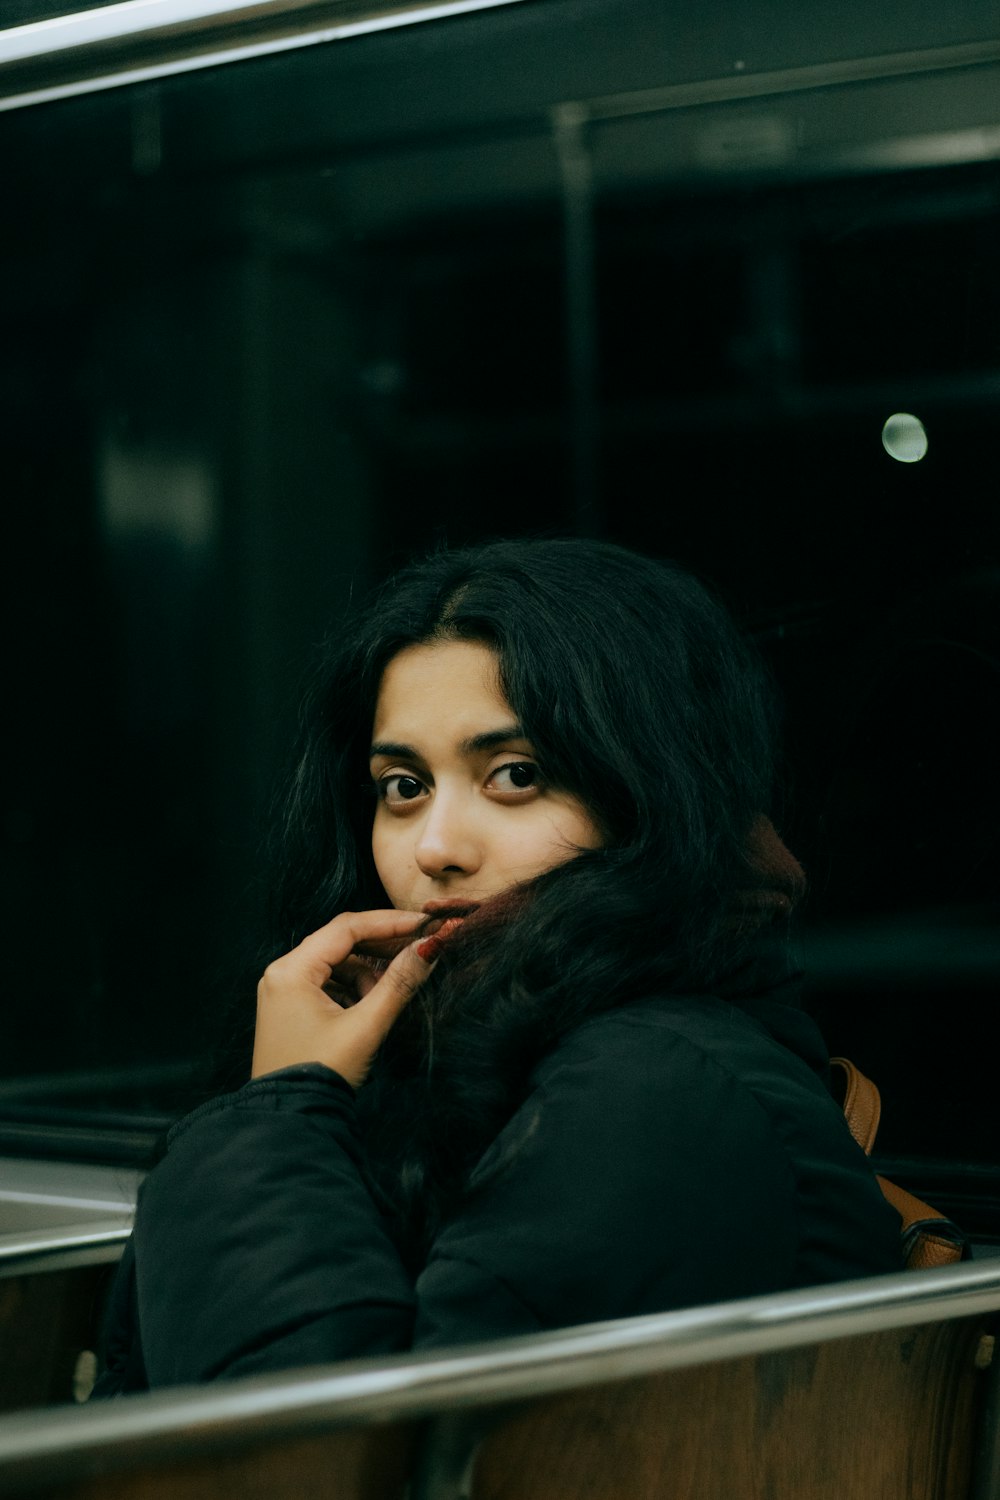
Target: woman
{"points": [[529, 1054]]}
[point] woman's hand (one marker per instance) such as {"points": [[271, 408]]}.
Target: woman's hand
{"points": [[299, 1022]]}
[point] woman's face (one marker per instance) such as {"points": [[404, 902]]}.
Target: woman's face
{"points": [[463, 811]]}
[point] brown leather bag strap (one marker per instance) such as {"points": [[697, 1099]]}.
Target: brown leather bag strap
{"points": [[929, 1238], [862, 1103]]}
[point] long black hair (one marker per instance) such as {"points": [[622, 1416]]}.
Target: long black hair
{"points": [[641, 698]]}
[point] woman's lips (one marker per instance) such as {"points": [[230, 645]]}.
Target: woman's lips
{"points": [[444, 907]]}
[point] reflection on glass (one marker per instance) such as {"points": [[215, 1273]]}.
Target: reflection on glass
{"points": [[904, 438]]}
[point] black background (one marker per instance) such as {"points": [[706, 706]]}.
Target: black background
{"points": [[270, 329]]}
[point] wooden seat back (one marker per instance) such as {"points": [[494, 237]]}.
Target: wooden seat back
{"points": [[365, 1463], [49, 1325], [870, 1390], [890, 1416]]}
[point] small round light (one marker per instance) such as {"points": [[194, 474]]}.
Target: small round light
{"points": [[904, 438]]}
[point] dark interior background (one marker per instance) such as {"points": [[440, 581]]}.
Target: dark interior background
{"points": [[272, 328]]}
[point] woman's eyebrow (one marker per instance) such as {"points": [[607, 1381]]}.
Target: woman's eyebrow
{"points": [[492, 738], [488, 740], [394, 749]]}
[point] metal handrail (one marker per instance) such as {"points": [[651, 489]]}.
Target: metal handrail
{"points": [[140, 40], [40, 1447], [62, 1249]]}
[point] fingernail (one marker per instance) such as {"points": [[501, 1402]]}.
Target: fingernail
{"points": [[431, 948]]}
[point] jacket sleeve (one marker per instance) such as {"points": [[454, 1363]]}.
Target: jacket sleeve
{"points": [[259, 1247]]}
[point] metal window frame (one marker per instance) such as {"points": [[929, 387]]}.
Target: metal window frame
{"points": [[138, 41]]}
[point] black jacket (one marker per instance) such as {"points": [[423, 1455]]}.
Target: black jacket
{"points": [[674, 1152]]}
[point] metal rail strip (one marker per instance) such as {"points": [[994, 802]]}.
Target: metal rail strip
{"points": [[802, 79], [62, 1249], [44, 1447], [140, 40]]}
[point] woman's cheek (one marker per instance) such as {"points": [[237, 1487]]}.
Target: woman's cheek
{"points": [[535, 847], [387, 864], [559, 835]]}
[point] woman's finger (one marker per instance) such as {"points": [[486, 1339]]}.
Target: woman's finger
{"points": [[324, 1002], [390, 995], [328, 946], [356, 976], [392, 992]]}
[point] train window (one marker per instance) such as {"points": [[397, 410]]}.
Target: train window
{"points": [[272, 326]]}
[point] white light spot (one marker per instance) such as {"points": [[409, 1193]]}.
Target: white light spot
{"points": [[904, 438]]}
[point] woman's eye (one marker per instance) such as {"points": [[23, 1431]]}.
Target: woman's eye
{"points": [[516, 776], [398, 789]]}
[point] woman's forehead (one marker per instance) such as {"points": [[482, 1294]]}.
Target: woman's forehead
{"points": [[441, 691]]}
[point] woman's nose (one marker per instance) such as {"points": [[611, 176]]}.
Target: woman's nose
{"points": [[447, 843]]}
